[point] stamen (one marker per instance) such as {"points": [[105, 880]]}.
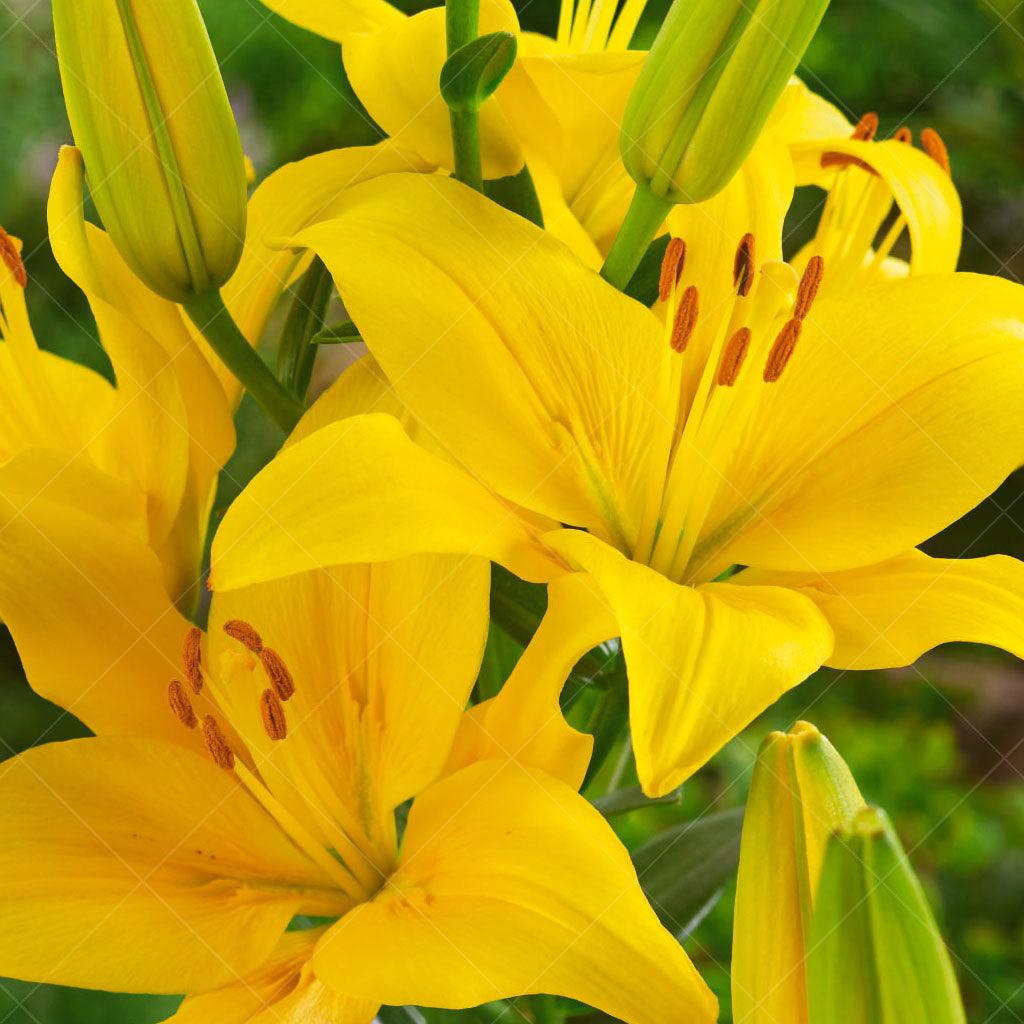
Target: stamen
{"points": [[191, 655], [12, 258], [904, 134], [933, 145], [809, 285], [216, 744], [685, 319], [866, 128], [245, 634], [181, 705], [277, 672], [671, 267], [272, 714], [845, 160], [782, 351], [743, 266], [733, 357]]}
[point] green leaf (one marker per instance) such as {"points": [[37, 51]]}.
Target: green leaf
{"points": [[632, 798], [500, 657], [305, 318], [683, 869], [337, 334], [475, 70], [518, 194], [643, 285]]}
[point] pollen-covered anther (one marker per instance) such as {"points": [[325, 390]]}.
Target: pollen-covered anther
{"points": [[933, 145], [272, 713], [733, 358], [866, 128], [191, 656], [12, 258], [216, 744], [277, 672], [743, 266], [685, 319], [810, 282], [245, 634], [671, 267], [782, 350], [181, 705], [903, 134]]}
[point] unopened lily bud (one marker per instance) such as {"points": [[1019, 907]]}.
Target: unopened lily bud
{"points": [[163, 159], [706, 89], [875, 955], [801, 792]]}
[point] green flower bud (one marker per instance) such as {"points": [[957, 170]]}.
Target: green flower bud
{"points": [[706, 89], [163, 159], [876, 955], [800, 793]]}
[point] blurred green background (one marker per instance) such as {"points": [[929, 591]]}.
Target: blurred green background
{"points": [[940, 745]]}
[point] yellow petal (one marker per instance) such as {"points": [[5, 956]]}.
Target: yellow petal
{"points": [[283, 991], [898, 413], [361, 388], [395, 71], [535, 373], [511, 883], [293, 197], [922, 190], [336, 20], [140, 867], [524, 721], [384, 657], [170, 429], [802, 116], [102, 592], [361, 491], [888, 615], [703, 661]]}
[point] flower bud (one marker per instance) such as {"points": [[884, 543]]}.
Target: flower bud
{"points": [[876, 955], [163, 159], [706, 89], [800, 793]]}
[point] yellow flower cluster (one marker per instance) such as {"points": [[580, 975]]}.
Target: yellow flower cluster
{"points": [[712, 464]]}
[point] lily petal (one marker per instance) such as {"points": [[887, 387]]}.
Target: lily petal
{"points": [[383, 688], [378, 496], [138, 866], [703, 661], [96, 631], [888, 615], [294, 196], [511, 883], [898, 413], [922, 190], [534, 372], [283, 991], [337, 20], [524, 721], [395, 71]]}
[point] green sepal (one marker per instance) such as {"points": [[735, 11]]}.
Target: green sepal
{"points": [[876, 955], [475, 70]]}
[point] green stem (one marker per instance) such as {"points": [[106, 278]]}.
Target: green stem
{"points": [[211, 317], [646, 214], [462, 25]]}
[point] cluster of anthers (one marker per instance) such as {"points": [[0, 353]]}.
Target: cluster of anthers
{"points": [[271, 700]]}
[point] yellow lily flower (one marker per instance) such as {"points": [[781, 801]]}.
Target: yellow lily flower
{"points": [[814, 440], [170, 852]]}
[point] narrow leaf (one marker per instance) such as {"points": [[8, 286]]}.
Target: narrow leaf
{"points": [[685, 867]]}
